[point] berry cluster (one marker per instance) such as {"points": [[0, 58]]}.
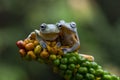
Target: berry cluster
{"points": [[71, 66]]}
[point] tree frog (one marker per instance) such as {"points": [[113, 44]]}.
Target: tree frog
{"points": [[47, 32], [69, 36]]}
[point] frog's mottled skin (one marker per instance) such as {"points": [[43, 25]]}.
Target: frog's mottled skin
{"points": [[47, 32], [69, 36]]}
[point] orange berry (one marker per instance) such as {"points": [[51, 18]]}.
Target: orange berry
{"points": [[31, 54], [36, 42], [33, 35], [44, 54], [31, 41], [29, 46], [26, 41], [22, 52], [52, 50]]}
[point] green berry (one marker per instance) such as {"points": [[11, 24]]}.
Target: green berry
{"points": [[37, 49], [86, 64], [56, 62], [105, 72], [82, 70], [90, 76], [80, 59], [79, 76], [94, 65], [72, 59], [64, 60], [68, 71], [99, 72], [71, 66], [67, 77], [52, 57], [92, 71], [107, 77], [114, 77], [63, 66]]}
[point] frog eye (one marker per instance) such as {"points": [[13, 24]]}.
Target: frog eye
{"points": [[43, 26], [59, 25], [73, 24]]}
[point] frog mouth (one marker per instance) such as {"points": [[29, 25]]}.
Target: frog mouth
{"points": [[49, 36], [66, 30]]}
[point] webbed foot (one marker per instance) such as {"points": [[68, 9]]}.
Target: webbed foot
{"points": [[58, 44], [43, 44], [66, 50]]}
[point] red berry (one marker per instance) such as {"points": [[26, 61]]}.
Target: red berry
{"points": [[20, 44]]}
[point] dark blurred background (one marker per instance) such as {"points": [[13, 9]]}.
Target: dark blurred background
{"points": [[98, 23]]}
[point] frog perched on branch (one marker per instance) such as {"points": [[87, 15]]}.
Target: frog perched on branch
{"points": [[58, 45], [58, 37], [47, 32], [48, 37], [69, 37]]}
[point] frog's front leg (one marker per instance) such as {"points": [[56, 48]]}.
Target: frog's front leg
{"points": [[58, 44], [42, 43], [66, 50], [72, 49], [75, 46]]}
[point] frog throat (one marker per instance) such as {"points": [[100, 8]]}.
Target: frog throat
{"points": [[66, 30], [49, 36]]}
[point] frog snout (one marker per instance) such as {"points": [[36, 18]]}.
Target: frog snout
{"points": [[53, 29]]}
